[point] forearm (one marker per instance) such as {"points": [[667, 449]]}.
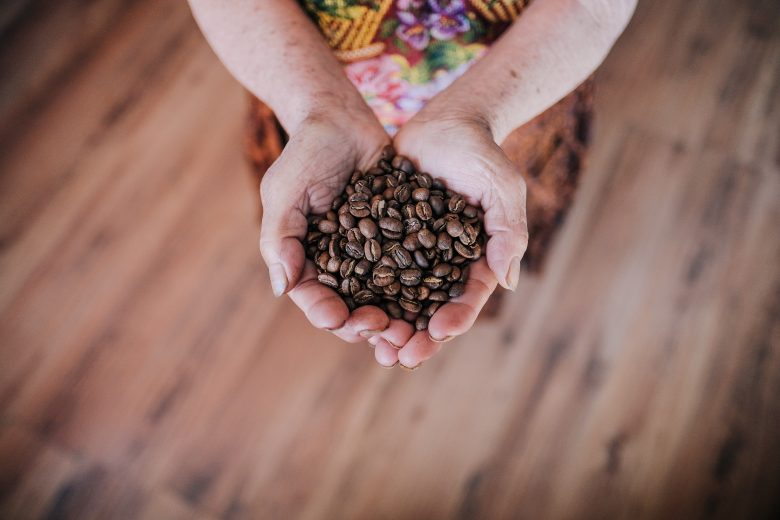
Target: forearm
{"points": [[274, 50], [548, 51]]}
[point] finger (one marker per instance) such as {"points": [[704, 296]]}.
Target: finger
{"points": [[280, 244], [385, 354], [418, 349], [363, 323], [459, 314], [322, 306], [506, 224], [398, 333]]}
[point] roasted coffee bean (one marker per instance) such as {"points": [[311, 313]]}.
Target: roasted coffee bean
{"points": [[444, 241], [401, 257], [432, 282], [421, 323], [427, 238], [408, 292], [456, 290], [346, 220], [387, 153], [378, 209], [383, 276], [402, 163], [394, 310], [347, 267], [402, 192], [372, 250], [393, 212], [411, 242], [424, 180], [412, 225], [455, 274], [423, 293], [438, 296], [328, 226], [391, 224], [408, 211], [439, 224], [454, 228], [420, 259], [423, 210], [470, 212], [358, 197], [441, 270], [354, 249], [363, 297], [421, 194], [456, 204], [329, 280], [368, 228], [362, 268], [410, 276], [437, 204], [359, 209], [410, 305], [333, 265], [374, 288], [431, 308], [393, 289], [389, 262]]}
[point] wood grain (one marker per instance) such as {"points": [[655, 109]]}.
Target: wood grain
{"points": [[147, 371]]}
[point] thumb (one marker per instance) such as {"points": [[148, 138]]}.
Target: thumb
{"points": [[280, 244], [507, 227]]}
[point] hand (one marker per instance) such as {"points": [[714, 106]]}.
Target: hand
{"points": [[323, 151], [459, 148]]}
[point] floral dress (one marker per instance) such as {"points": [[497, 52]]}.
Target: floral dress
{"points": [[401, 53]]}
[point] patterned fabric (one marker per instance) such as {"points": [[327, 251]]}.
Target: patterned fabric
{"points": [[401, 53]]}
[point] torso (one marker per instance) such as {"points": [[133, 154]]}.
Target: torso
{"points": [[401, 53]]}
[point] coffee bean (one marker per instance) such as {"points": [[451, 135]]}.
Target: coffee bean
{"points": [[408, 211], [363, 297], [456, 204], [423, 292], [437, 204], [328, 226], [359, 209], [387, 153], [424, 211], [411, 242], [347, 220], [455, 274], [347, 267], [383, 276], [410, 276], [421, 194], [378, 209], [354, 249], [402, 163], [372, 250], [444, 241], [362, 268], [368, 228], [374, 288], [393, 289], [438, 296], [470, 212], [454, 228], [389, 262], [393, 212], [408, 292], [333, 265], [432, 282], [329, 280], [410, 305], [421, 260], [456, 290], [421, 323], [427, 238], [358, 197], [391, 224], [402, 192], [394, 310], [431, 308], [401, 257], [412, 225]]}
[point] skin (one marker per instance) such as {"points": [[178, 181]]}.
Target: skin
{"points": [[274, 51]]}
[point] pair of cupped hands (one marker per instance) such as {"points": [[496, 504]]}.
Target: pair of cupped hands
{"points": [[315, 165]]}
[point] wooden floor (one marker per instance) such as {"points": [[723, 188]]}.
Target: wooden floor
{"points": [[146, 371]]}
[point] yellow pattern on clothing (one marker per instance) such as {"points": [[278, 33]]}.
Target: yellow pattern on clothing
{"points": [[351, 38]]}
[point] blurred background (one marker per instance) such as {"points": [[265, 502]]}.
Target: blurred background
{"points": [[146, 371]]}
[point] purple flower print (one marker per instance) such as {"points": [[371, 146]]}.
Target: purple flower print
{"points": [[447, 19], [411, 29]]}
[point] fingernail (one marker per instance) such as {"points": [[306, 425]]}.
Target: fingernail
{"points": [[410, 369], [331, 329], [513, 275], [278, 279], [369, 333], [389, 367], [370, 345], [445, 339]]}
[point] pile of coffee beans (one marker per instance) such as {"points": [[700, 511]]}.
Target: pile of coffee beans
{"points": [[398, 239]]}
